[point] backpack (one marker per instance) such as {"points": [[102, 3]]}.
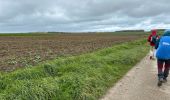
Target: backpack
{"points": [[153, 39]]}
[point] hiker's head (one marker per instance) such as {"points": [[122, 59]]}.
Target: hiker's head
{"points": [[154, 31], [166, 32]]}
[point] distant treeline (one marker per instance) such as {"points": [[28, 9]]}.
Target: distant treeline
{"points": [[131, 31], [161, 29]]}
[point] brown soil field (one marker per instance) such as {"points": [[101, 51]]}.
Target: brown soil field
{"points": [[23, 51]]}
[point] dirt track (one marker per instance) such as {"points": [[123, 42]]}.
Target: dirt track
{"points": [[140, 84]]}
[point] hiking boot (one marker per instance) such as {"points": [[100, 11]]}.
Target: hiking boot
{"points": [[164, 80], [160, 82]]}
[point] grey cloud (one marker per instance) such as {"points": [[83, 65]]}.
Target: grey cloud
{"points": [[82, 15]]}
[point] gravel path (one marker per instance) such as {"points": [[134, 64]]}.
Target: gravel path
{"points": [[140, 83]]}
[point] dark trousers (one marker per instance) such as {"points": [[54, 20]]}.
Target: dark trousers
{"points": [[163, 68]]}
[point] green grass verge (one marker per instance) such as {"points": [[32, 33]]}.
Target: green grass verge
{"points": [[84, 77]]}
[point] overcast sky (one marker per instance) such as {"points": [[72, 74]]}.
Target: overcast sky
{"points": [[83, 15]]}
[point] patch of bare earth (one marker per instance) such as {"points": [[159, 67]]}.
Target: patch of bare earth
{"points": [[20, 51]]}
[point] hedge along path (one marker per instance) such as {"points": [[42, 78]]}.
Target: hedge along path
{"points": [[84, 77]]}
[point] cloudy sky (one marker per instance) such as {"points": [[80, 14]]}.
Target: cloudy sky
{"points": [[83, 15]]}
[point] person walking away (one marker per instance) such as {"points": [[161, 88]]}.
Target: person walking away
{"points": [[152, 38], [163, 57]]}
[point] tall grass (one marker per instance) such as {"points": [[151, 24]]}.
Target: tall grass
{"points": [[84, 77]]}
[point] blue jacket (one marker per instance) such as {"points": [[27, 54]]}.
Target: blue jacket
{"points": [[163, 46]]}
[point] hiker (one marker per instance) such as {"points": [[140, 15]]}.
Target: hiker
{"points": [[163, 57], [152, 38]]}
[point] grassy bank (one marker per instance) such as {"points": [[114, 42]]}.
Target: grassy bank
{"points": [[84, 77]]}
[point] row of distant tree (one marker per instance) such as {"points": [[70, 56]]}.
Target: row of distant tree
{"points": [[104, 32], [138, 30], [131, 31]]}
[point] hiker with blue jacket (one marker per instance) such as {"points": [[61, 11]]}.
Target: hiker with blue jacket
{"points": [[163, 57]]}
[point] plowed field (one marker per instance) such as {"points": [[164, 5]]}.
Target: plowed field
{"points": [[22, 51]]}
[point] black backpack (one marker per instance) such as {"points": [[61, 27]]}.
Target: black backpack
{"points": [[153, 39]]}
